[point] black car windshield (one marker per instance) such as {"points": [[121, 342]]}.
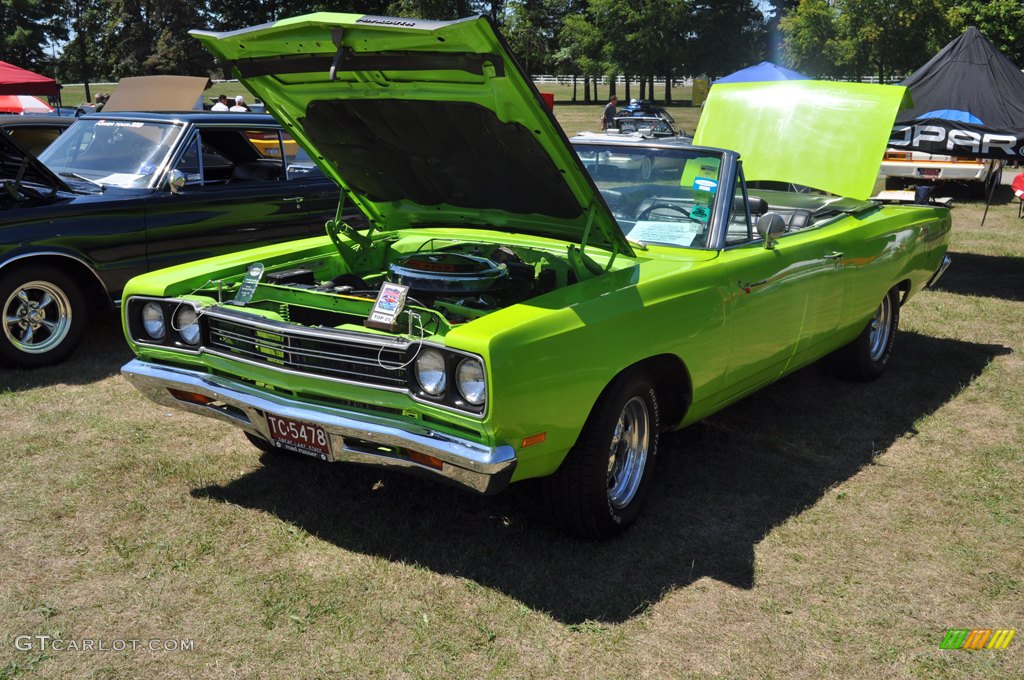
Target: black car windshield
{"points": [[121, 153], [661, 196]]}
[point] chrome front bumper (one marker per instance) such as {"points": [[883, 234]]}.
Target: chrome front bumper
{"points": [[355, 437], [946, 260]]}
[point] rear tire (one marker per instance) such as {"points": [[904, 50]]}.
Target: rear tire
{"points": [[600, 488], [867, 357], [43, 314]]}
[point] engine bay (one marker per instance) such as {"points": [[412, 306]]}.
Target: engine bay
{"points": [[449, 283]]}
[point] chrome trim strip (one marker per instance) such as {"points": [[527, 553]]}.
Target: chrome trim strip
{"points": [[305, 374], [946, 261], [467, 463], [305, 353], [337, 335]]}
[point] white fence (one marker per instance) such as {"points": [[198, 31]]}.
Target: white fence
{"points": [[621, 80]]}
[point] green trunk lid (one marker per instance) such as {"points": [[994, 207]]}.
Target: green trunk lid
{"points": [[422, 123]]}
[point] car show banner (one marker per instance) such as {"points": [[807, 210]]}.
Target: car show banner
{"points": [[958, 138]]}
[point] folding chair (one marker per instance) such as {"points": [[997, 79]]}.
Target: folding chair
{"points": [[1018, 190]]}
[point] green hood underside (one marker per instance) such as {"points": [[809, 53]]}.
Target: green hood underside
{"points": [[422, 123]]}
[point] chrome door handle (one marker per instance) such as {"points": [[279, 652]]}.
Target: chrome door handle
{"points": [[833, 256], [294, 199]]}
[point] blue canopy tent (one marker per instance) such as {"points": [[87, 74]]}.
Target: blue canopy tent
{"points": [[760, 73]]}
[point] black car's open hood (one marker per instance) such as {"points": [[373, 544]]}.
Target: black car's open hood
{"points": [[422, 123]]}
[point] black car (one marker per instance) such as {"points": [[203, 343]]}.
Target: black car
{"points": [[120, 194], [645, 109]]}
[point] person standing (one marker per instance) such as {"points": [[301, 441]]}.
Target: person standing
{"points": [[99, 100], [240, 105], [608, 117], [222, 104]]}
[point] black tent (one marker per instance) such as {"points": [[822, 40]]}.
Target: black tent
{"points": [[968, 101]]}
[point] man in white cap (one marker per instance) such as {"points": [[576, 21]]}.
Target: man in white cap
{"points": [[240, 104]]}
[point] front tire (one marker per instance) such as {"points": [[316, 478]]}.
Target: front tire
{"points": [[867, 357], [599, 489], [44, 316]]}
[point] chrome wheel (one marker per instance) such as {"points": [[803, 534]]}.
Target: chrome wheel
{"points": [[881, 327], [628, 455], [37, 317]]}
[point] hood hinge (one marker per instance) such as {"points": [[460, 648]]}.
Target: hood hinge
{"points": [[582, 264], [356, 247]]}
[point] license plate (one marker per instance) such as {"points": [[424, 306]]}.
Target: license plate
{"points": [[928, 172], [299, 436]]}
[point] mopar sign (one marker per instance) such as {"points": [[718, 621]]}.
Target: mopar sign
{"points": [[956, 139]]}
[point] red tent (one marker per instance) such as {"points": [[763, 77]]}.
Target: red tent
{"points": [[14, 80]]}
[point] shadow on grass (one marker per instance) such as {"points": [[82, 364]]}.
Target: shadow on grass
{"points": [[984, 275], [100, 355], [721, 486]]}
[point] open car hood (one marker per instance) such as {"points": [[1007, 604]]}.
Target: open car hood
{"points": [[157, 93], [13, 157], [422, 123], [825, 135]]}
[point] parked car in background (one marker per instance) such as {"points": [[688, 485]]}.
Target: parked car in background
{"points": [[121, 194], [909, 168], [649, 126], [604, 158], [641, 108], [521, 307], [34, 133]]}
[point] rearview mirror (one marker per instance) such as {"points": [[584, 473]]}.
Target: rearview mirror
{"points": [[770, 226]]}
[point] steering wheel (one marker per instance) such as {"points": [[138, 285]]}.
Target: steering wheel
{"points": [[645, 213]]}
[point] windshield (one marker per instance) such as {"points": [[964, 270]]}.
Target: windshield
{"points": [[117, 153], [659, 196]]}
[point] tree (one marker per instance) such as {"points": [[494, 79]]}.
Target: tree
{"points": [[531, 29], [646, 38], [998, 20], [26, 28], [887, 39], [856, 38], [811, 44], [732, 35], [580, 51], [175, 51]]}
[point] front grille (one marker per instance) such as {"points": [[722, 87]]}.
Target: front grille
{"points": [[315, 354]]}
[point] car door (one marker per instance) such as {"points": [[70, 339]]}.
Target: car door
{"points": [[782, 303], [236, 195]]}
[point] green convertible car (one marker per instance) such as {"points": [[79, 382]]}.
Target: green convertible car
{"points": [[524, 305]]}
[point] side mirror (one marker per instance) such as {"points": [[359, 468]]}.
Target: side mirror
{"points": [[770, 226], [177, 181]]}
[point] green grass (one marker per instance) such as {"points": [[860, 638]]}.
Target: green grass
{"points": [[817, 529]]}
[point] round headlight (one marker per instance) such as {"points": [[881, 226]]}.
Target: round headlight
{"points": [[153, 320], [469, 378], [430, 373], [186, 322]]}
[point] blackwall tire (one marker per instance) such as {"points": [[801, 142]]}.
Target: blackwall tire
{"points": [[600, 488], [867, 357], [43, 314]]}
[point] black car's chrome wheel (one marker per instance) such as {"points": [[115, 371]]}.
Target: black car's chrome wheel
{"points": [[43, 316]]}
